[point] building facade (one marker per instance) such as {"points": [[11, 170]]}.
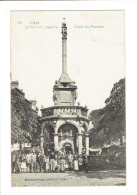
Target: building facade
{"points": [[65, 125], [25, 126]]}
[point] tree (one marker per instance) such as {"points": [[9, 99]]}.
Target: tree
{"points": [[109, 122]]}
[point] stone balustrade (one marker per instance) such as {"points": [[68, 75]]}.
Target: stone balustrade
{"points": [[64, 111]]}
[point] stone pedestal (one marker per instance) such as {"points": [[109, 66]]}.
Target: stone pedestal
{"points": [[79, 143], [56, 136], [87, 144]]}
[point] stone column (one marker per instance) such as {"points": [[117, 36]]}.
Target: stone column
{"points": [[64, 76], [56, 136], [42, 144], [64, 47], [79, 143], [87, 144], [42, 138], [64, 56]]}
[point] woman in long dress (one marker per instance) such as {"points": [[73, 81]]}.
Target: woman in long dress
{"points": [[76, 167]]}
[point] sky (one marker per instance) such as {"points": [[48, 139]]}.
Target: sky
{"points": [[95, 53]]}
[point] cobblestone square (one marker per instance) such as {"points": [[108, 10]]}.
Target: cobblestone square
{"points": [[93, 178]]}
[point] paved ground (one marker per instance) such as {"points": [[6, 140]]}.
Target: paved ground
{"points": [[94, 178]]}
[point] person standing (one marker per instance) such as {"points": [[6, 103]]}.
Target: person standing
{"points": [[55, 164], [85, 163], [23, 163], [47, 164], [52, 162], [44, 163], [37, 162], [64, 152], [58, 162], [70, 160], [80, 162], [14, 158], [62, 162], [32, 161], [17, 164], [40, 162], [28, 160], [76, 168]]}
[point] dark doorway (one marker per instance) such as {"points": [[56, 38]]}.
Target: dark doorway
{"points": [[68, 147]]}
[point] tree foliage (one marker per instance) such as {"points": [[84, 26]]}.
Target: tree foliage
{"points": [[109, 122], [25, 125]]}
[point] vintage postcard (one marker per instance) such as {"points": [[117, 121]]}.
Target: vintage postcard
{"points": [[68, 98]]}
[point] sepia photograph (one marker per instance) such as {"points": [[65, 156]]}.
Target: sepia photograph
{"points": [[67, 83]]}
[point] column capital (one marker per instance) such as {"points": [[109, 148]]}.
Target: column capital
{"points": [[55, 133], [86, 134], [79, 134]]}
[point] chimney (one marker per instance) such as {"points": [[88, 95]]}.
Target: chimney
{"points": [[14, 84]]}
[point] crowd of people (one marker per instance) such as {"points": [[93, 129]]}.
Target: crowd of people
{"points": [[57, 161]]}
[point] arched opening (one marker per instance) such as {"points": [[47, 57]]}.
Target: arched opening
{"points": [[68, 138], [48, 139]]}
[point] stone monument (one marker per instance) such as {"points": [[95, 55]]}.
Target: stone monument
{"points": [[65, 125]]}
